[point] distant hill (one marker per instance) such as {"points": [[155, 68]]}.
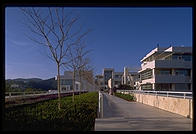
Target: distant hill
{"points": [[35, 83], [27, 80], [45, 84]]}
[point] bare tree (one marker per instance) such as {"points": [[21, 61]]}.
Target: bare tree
{"points": [[52, 27], [87, 73], [83, 62], [77, 62]]}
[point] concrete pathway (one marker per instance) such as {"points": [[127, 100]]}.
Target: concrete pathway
{"points": [[121, 115]]}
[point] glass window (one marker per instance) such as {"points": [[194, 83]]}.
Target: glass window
{"points": [[116, 76], [64, 89], [187, 57], [146, 87], [77, 87], [66, 82], [182, 87], [115, 82], [107, 76], [146, 75], [174, 57], [162, 87], [185, 72], [165, 71]]}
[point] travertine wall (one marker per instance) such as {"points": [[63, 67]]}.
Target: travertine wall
{"points": [[176, 105]]}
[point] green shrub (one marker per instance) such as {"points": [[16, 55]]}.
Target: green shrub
{"points": [[128, 97], [79, 115]]}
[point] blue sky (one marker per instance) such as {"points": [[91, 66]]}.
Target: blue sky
{"points": [[120, 37]]}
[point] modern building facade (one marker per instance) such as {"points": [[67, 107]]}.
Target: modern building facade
{"points": [[117, 79], [133, 76], [99, 81], [166, 69], [111, 79], [107, 73]]}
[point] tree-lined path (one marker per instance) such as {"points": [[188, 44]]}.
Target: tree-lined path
{"points": [[121, 115]]}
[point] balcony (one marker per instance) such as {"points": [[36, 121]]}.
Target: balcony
{"points": [[173, 64], [172, 79], [167, 64]]}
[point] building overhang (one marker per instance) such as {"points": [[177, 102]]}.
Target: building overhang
{"points": [[147, 69]]}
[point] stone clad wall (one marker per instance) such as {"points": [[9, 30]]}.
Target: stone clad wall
{"points": [[176, 105]]}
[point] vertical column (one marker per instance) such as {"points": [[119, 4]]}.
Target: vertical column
{"points": [[173, 71], [173, 87], [153, 72], [153, 86], [153, 76], [173, 74]]}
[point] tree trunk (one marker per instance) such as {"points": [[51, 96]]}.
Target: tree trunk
{"points": [[80, 82], [73, 85], [58, 86]]}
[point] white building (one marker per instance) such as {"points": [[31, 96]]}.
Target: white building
{"points": [[133, 78], [129, 78], [125, 77], [110, 78], [107, 73], [86, 83], [167, 69], [99, 81], [14, 86]]}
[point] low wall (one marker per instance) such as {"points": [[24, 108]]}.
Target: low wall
{"points": [[175, 105]]}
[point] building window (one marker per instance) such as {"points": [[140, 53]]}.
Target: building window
{"points": [[146, 75], [107, 76], [146, 87], [66, 82], [185, 57], [116, 82], [184, 72], [77, 87], [163, 87], [182, 87], [64, 89], [116, 76], [175, 56], [163, 71]]}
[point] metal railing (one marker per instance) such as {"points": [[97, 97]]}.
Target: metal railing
{"points": [[16, 94], [35, 93], [177, 94], [100, 108]]}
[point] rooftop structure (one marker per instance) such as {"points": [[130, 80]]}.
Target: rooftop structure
{"points": [[167, 69]]}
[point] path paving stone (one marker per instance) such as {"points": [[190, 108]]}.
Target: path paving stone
{"points": [[121, 115]]}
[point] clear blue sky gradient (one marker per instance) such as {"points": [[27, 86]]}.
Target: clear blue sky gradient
{"points": [[120, 37]]}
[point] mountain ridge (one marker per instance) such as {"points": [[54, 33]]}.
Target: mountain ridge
{"points": [[35, 83]]}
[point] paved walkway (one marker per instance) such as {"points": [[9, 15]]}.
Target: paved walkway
{"points": [[121, 115]]}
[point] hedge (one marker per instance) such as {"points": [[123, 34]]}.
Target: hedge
{"points": [[77, 116], [128, 97]]}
